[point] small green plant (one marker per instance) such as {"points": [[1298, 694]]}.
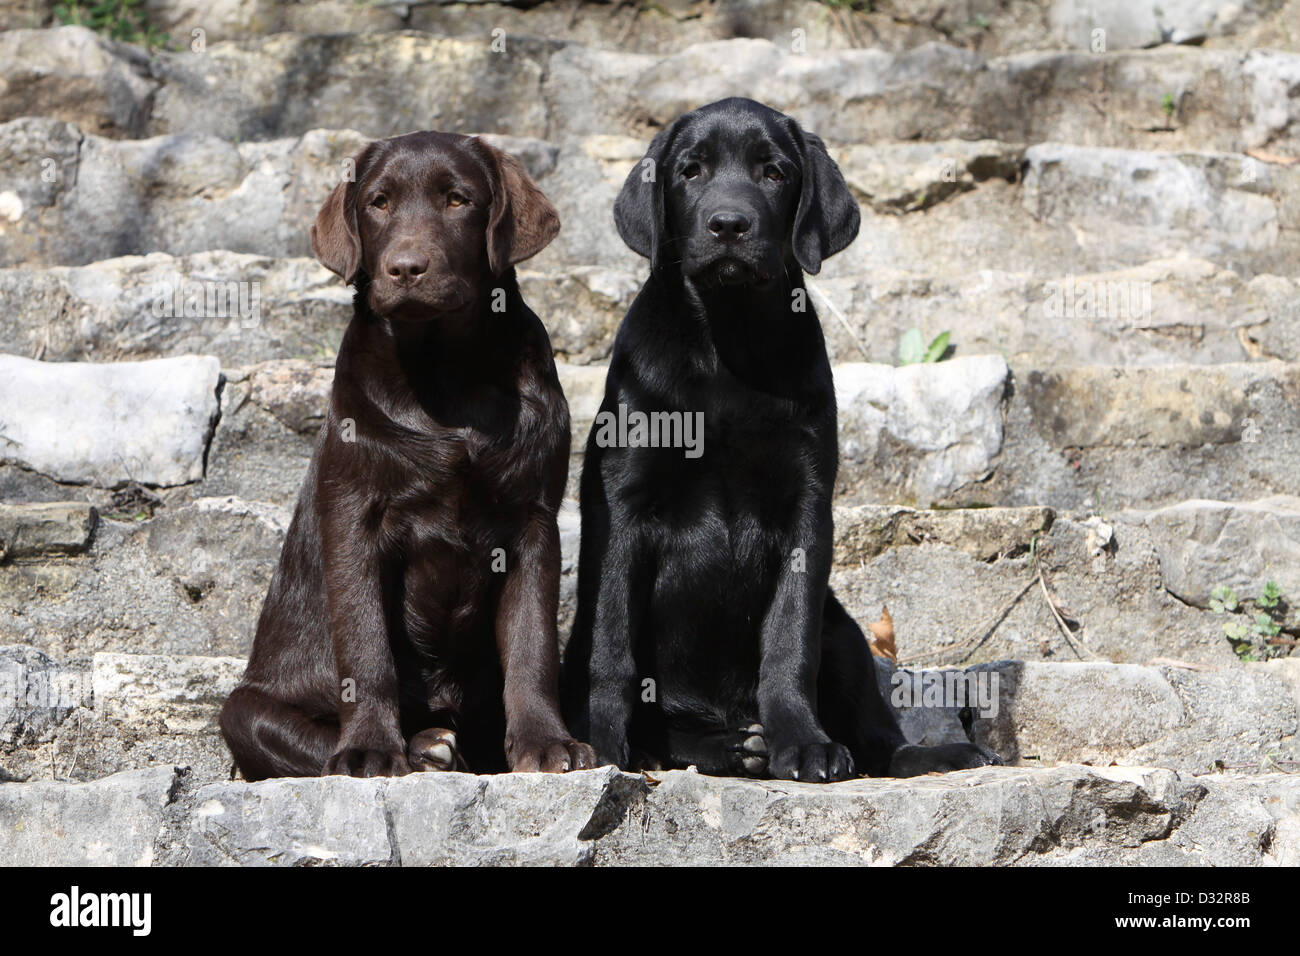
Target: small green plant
{"points": [[912, 349], [124, 20], [1168, 106], [1223, 600], [1258, 637]]}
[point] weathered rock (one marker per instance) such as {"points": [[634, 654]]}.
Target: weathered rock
{"points": [[864, 532], [987, 25], [1182, 310], [39, 530], [995, 816], [1126, 25], [1204, 545], [190, 581], [180, 194], [257, 89], [239, 308], [1170, 311], [1223, 100], [105, 425], [919, 433], [962, 587], [36, 696], [1109, 438], [1138, 204], [907, 177], [110, 822], [124, 712], [79, 76], [379, 84], [1099, 713]]}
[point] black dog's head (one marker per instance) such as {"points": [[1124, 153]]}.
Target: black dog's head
{"points": [[426, 217], [732, 191]]}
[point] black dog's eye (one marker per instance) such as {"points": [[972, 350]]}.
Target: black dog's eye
{"points": [[690, 170], [380, 202], [773, 173], [456, 200]]}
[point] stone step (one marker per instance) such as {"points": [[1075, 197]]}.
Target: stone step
{"points": [[130, 711], [1222, 99], [1068, 816], [245, 309], [1059, 208], [962, 432], [118, 712], [963, 585], [994, 29]]}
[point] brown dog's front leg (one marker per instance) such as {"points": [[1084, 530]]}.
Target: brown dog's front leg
{"points": [[370, 738], [536, 738]]}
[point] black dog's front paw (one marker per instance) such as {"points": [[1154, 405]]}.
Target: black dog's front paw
{"points": [[814, 762], [367, 762], [911, 760]]}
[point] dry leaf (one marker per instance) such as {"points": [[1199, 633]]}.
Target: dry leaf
{"points": [[881, 636], [1277, 159]]}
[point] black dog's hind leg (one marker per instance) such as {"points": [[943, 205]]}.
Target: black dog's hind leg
{"points": [[854, 711], [726, 752], [850, 704]]}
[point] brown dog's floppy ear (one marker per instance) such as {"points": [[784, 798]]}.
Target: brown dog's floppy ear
{"points": [[334, 238], [522, 222], [827, 218]]}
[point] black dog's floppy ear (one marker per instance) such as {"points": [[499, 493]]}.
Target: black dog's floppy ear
{"points": [[639, 208], [522, 221], [827, 218], [334, 238]]}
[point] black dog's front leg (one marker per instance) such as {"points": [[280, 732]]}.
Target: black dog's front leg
{"points": [[613, 689], [798, 747]]}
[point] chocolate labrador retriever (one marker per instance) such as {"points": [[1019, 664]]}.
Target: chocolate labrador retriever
{"points": [[411, 621], [705, 632]]}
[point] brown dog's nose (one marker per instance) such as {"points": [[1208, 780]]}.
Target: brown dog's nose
{"points": [[728, 225], [406, 268]]}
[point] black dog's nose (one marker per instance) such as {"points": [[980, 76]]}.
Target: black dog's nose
{"points": [[407, 266], [728, 225]]}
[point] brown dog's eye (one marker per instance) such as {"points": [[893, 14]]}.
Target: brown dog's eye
{"points": [[690, 170], [456, 199], [380, 202], [773, 173]]}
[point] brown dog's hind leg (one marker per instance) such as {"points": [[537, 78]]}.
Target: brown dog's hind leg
{"points": [[435, 749], [270, 738]]}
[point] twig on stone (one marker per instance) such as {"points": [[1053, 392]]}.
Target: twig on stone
{"points": [[838, 315], [969, 647], [1080, 651]]}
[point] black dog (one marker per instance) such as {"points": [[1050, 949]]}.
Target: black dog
{"points": [[411, 622], [705, 631]]}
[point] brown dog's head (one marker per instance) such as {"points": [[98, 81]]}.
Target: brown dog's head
{"points": [[428, 219]]}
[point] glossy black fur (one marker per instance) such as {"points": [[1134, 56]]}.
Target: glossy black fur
{"points": [[708, 576]]}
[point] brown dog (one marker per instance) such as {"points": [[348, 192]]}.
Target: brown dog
{"points": [[411, 623]]}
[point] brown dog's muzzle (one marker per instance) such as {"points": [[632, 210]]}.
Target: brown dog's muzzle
{"points": [[417, 283]]}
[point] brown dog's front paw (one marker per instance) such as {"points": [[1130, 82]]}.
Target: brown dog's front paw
{"points": [[435, 749], [558, 755], [366, 762]]}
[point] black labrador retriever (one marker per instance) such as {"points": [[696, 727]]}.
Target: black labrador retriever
{"points": [[411, 623], [705, 631]]}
